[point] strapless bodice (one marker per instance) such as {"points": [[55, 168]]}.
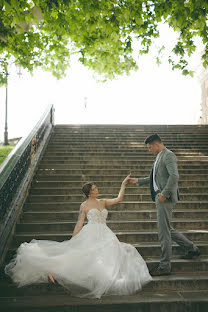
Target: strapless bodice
{"points": [[96, 216]]}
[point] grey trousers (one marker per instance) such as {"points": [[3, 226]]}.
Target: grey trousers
{"points": [[166, 233]]}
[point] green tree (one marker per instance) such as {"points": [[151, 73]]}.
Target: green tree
{"points": [[45, 33]]}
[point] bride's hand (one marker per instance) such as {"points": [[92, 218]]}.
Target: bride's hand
{"points": [[126, 180]]}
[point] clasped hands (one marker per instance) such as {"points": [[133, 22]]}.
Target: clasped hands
{"points": [[161, 197]]}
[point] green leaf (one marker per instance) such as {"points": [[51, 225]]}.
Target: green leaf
{"points": [[54, 14]]}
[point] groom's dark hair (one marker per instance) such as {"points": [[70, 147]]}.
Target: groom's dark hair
{"points": [[152, 138]]}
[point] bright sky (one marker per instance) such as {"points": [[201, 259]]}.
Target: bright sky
{"points": [[152, 95]]}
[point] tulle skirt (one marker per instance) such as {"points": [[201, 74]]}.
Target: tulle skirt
{"points": [[91, 264]]}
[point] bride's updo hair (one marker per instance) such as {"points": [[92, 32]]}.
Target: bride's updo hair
{"points": [[86, 188]]}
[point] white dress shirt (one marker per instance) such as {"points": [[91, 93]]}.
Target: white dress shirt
{"points": [[154, 183]]}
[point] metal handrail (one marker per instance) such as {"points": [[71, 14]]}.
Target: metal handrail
{"points": [[16, 174]]}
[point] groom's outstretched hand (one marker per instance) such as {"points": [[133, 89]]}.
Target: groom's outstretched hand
{"points": [[132, 180], [126, 180]]}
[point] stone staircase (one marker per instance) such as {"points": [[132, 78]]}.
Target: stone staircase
{"points": [[106, 154]]}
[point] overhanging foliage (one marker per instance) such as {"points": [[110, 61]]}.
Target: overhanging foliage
{"points": [[45, 33]]}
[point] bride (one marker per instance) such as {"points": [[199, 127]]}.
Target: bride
{"points": [[92, 263]]}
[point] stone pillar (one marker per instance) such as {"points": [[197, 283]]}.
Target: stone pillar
{"points": [[204, 96]]}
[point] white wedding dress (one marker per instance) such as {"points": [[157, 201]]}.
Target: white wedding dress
{"points": [[91, 264]]}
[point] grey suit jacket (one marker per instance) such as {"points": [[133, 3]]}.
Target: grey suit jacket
{"points": [[166, 176]]}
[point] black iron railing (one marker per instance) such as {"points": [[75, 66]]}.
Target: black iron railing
{"points": [[16, 174]]}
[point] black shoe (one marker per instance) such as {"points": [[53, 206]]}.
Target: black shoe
{"points": [[191, 254], [158, 271]]}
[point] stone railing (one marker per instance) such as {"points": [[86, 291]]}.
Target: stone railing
{"points": [[16, 174]]}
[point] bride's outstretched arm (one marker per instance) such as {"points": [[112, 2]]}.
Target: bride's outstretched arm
{"points": [[114, 201], [80, 222]]}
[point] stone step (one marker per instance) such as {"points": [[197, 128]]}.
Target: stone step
{"points": [[117, 168], [137, 151], [86, 157], [109, 184], [131, 147], [147, 301], [124, 206], [106, 172], [125, 161], [128, 131], [176, 281], [185, 160], [134, 133], [125, 143], [179, 148], [190, 133], [122, 148], [140, 128], [135, 139], [119, 225], [84, 178], [127, 135], [62, 145], [130, 141], [131, 197], [147, 128], [108, 132], [119, 164], [50, 215], [94, 161], [123, 236], [130, 136], [113, 190]]}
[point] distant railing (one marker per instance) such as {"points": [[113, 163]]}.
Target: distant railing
{"points": [[16, 174]]}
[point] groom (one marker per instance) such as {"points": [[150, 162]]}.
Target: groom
{"points": [[163, 182]]}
